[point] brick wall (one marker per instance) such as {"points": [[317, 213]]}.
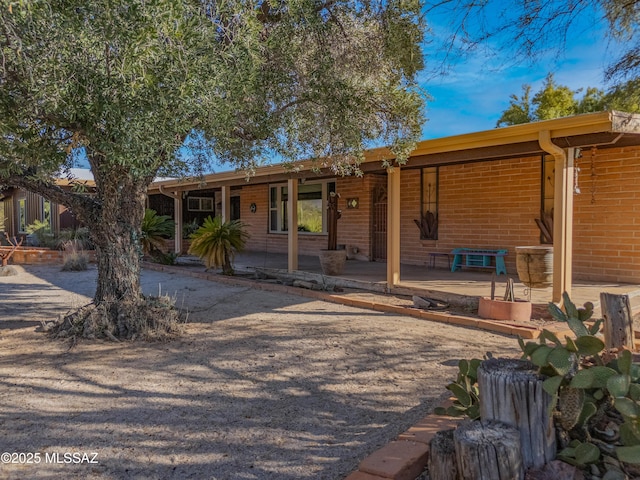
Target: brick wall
{"points": [[354, 227], [39, 256], [494, 204], [481, 205], [489, 205], [606, 235]]}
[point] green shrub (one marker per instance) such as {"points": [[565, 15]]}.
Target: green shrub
{"points": [[42, 232], [595, 392], [155, 228], [217, 242]]}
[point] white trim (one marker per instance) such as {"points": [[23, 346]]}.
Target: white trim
{"points": [[277, 208]]}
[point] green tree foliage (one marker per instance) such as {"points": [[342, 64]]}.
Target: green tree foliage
{"points": [[625, 97], [129, 83], [555, 101], [519, 110]]}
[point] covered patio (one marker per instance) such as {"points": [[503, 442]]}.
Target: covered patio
{"points": [[421, 280], [488, 189]]}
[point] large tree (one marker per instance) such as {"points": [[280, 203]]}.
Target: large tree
{"points": [[130, 83]]}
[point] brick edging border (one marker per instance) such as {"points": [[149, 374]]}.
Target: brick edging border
{"points": [[503, 327]]}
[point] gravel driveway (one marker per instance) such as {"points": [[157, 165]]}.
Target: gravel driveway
{"points": [[261, 385]]}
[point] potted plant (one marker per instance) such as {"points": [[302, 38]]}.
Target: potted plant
{"points": [[332, 260], [506, 308], [216, 242]]}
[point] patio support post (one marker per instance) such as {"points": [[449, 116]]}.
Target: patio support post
{"points": [[226, 203], [177, 214], [292, 223], [562, 215], [177, 218], [393, 226]]}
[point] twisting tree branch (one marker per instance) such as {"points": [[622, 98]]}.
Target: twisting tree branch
{"points": [[83, 206]]}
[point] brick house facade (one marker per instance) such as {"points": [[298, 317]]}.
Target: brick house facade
{"points": [[489, 189]]}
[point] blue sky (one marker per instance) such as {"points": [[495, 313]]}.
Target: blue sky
{"points": [[476, 91]]}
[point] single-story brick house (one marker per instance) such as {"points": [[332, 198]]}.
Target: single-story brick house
{"points": [[478, 190]]}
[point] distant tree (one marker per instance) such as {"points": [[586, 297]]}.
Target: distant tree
{"points": [[625, 97], [519, 110], [594, 100], [554, 101], [130, 83], [551, 101]]}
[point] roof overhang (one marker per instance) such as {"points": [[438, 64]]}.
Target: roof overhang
{"points": [[601, 130]]}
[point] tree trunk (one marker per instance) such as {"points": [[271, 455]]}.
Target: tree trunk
{"points": [[618, 321], [116, 236], [442, 456], [511, 392], [119, 309], [488, 450]]}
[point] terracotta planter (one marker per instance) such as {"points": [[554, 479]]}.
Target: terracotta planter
{"points": [[535, 266], [332, 261], [520, 310]]}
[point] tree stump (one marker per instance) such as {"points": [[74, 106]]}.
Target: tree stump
{"points": [[442, 456], [618, 321], [511, 392], [488, 450]]}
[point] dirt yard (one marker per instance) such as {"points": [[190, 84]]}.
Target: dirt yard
{"points": [[260, 386]]}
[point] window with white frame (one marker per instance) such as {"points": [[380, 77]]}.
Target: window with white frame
{"points": [[200, 204], [312, 206]]}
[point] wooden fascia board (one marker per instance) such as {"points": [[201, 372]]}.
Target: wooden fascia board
{"points": [[517, 134], [558, 128]]}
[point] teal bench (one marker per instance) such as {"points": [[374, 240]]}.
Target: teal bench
{"points": [[478, 258]]}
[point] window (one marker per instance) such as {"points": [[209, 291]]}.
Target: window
{"points": [[22, 215], [312, 206], [46, 213], [200, 204], [429, 204], [545, 222]]}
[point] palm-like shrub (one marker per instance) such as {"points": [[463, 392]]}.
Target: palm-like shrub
{"points": [[216, 242], [155, 228]]}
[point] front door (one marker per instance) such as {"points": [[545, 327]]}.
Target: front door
{"points": [[379, 223]]}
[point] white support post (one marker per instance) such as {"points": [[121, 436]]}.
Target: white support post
{"points": [[177, 217], [393, 226], [562, 215], [226, 203]]}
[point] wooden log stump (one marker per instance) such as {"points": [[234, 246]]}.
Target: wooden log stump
{"points": [[618, 321], [442, 456], [511, 392], [488, 450]]}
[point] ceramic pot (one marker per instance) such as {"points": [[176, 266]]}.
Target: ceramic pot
{"points": [[520, 310], [332, 261]]}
